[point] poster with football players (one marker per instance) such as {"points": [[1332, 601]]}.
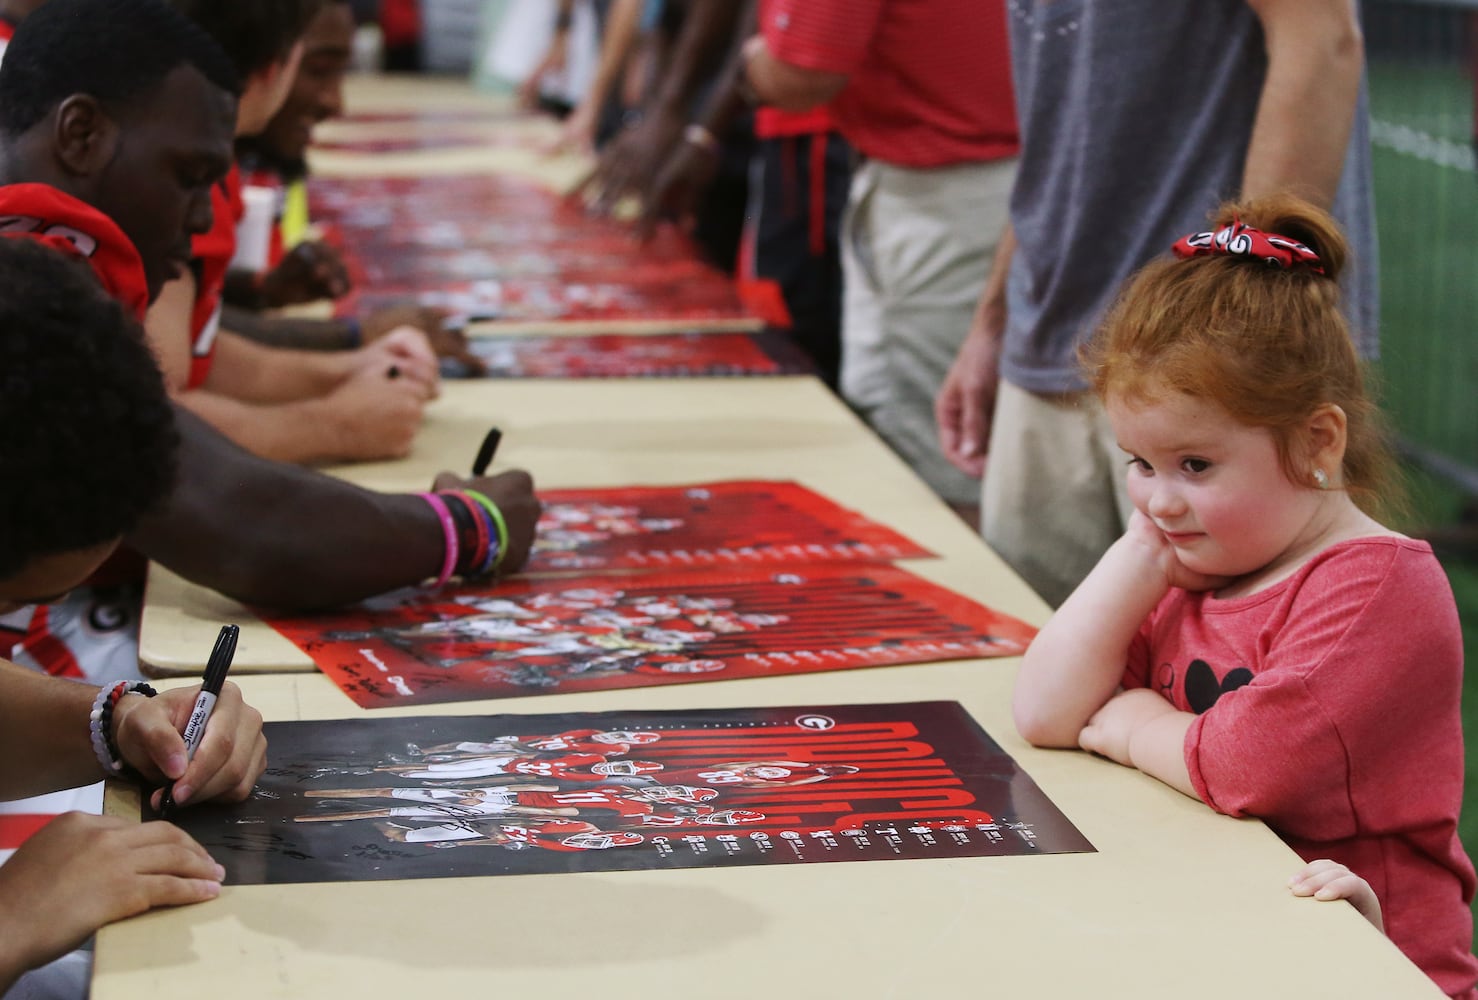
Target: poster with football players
{"points": [[657, 355], [733, 523], [491, 247], [425, 797], [591, 633]]}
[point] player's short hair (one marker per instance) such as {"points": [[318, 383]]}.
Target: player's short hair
{"points": [[114, 50], [89, 437], [253, 33]]}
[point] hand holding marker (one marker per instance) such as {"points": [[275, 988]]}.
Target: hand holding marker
{"points": [[215, 675]]}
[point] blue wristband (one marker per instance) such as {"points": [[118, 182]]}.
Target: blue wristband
{"points": [[356, 335]]}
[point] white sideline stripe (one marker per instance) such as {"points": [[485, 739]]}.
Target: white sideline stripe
{"points": [[1422, 145]]}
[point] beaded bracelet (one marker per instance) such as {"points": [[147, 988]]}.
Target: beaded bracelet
{"points": [[449, 536], [100, 722], [502, 525]]}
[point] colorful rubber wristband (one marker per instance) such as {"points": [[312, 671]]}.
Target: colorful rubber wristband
{"points": [[449, 535], [497, 516], [478, 527]]}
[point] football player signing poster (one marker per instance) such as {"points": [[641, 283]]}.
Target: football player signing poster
{"points": [[594, 633], [426, 797]]}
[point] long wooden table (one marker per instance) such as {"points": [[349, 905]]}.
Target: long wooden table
{"points": [[1176, 901]]}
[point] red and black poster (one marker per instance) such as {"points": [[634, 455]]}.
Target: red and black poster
{"points": [[736, 523], [491, 247], [427, 797], [658, 355], [595, 633]]}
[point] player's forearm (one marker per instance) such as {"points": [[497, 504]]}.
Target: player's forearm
{"points": [[44, 734], [1315, 60], [728, 99], [1077, 660], [299, 433], [1158, 749], [708, 29], [252, 373], [299, 333], [275, 534], [616, 45]]}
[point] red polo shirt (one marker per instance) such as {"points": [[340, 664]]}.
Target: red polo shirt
{"points": [[929, 81]]}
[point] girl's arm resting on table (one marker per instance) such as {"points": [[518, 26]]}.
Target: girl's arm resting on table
{"points": [[1076, 662], [1140, 729]]}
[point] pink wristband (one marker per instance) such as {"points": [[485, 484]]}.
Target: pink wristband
{"points": [[449, 533]]}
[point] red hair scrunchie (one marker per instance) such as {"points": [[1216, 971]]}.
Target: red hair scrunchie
{"points": [[1243, 241]]}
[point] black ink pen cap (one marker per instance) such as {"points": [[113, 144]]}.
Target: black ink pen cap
{"points": [[220, 659]]}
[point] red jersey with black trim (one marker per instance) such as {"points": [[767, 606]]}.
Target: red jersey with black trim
{"points": [[55, 218], [212, 252]]}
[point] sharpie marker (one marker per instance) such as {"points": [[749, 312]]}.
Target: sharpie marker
{"points": [[486, 452], [205, 703]]}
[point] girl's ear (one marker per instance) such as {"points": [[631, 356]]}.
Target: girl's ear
{"points": [[1326, 436]]}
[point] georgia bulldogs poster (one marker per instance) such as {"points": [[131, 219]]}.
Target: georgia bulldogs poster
{"points": [[490, 248], [400, 798], [592, 633], [656, 355], [734, 523]]}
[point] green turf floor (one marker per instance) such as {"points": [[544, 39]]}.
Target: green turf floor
{"points": [[1426, 194]]}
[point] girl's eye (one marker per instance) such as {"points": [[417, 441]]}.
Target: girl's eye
{"points": [[1196, 465], [1136, 462]]}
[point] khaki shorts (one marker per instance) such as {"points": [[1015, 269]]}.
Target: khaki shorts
{"points": [[1056, 494], [916, 247]]}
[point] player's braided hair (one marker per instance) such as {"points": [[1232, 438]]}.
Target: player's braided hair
{"points": [[114, 50], [88, 441]]}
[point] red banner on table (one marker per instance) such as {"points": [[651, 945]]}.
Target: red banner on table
{"points": [[595, 633], [658, 355], [496, 247]]}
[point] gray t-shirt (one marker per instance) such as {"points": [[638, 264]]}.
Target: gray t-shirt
{"points": [[1135, 117]]}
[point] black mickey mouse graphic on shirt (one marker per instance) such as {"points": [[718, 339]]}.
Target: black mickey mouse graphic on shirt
{"points": [[1202, 689]]}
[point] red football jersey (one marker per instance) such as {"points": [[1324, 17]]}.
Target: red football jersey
{"points": [[43, 213]]}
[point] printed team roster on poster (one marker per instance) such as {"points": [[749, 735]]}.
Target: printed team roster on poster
{"points": [[496, 247], [427, 797], [658, 355], [706, 524], [593, 633]]}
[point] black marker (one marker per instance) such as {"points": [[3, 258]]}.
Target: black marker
{"points": [[486, 452], [205, 703]]}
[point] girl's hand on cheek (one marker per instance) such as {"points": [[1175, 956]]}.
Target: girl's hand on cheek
{"points": [[1159, 549]]}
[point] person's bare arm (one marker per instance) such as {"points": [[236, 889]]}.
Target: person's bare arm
{"points": [[786, 85], [1315, 60], [269, 533]]}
